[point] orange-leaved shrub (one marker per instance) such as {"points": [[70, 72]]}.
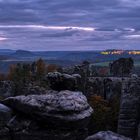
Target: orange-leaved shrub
{"points": [[105, 114]]}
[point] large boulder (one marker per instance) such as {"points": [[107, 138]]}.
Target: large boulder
{"points": [[107, 135], [60, 81], [56, 109]]}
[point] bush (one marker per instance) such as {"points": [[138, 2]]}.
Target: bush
{"points": [[99, 117], [105, 114]]}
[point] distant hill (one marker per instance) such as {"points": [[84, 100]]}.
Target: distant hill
{"points": [[23, 53], [6, 50]]}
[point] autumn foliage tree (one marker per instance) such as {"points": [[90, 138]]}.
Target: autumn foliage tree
{"points": [[101, 108], [12, 71], [51, 68], [105, 114], [20, 74], [122, 67], [103, 71]]}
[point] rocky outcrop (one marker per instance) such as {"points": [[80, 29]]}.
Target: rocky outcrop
{"points": [[50, 135], [60, 81], [31, 130], [107, 135], [54, 116], [32, 89], [23, 128], [5, 134], [55, 108], [5, 116], [129, 109], [107, 87], [6, 89]]}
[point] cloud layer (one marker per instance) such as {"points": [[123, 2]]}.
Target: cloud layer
{"points": [[69, 24]]}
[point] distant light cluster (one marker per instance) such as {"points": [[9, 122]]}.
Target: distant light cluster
{"points": [[120, 52]]}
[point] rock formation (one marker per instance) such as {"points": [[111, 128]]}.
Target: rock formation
{"points": [[129, 110], [139, 132], [5, 116], [55, 115], [107, 87], [5, 89], [63, 113], [60, 81], [59, 107], [107, 135]]}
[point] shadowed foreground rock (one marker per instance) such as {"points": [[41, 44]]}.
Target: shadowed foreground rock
{"points": [[5, 116], [107, 135], [6, 89]]}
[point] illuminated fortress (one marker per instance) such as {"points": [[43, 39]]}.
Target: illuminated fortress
{"points": [[120, 52]]}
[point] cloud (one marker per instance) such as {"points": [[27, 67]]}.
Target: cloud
{"points": [[48, 27], [77, 24], [92, 13], [3, 38], [130, 3], [137, 36]]}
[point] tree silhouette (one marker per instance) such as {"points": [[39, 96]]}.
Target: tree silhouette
{"points": [[122, 67]]}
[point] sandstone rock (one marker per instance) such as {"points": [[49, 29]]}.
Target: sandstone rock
{"points": [[50, 135], [108, 88], [134, 76], [5, 115], [34, 90], [21, 123], [60, 81], [139, 131], [107, 135], [5, 89], [5, 134], [129, 108], [65, 108], [23, 128]]}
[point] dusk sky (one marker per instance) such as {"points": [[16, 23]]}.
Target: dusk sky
{"points": [[69, 24]]}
